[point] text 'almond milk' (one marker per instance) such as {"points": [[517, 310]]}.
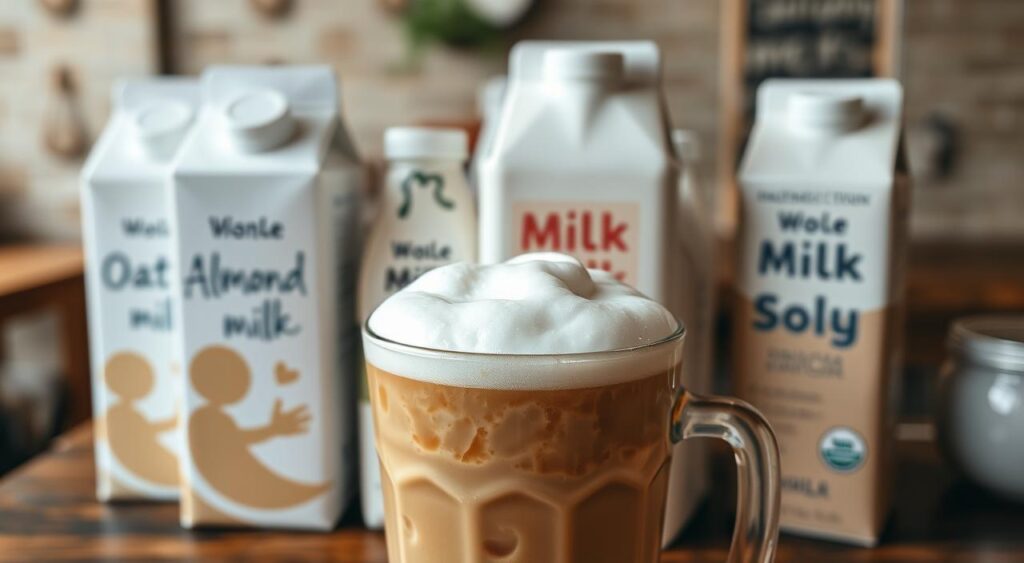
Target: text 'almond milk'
{"points": [[265, 200], [824, 197], [581, 163], [129, 270]]}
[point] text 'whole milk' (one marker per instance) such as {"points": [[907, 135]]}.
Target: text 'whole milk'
{"points": [[824, 201], [581, 162], [129, 270], [265, 200]]}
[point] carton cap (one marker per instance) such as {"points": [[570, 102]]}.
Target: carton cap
{"points": [[579, 64], [425, 142], [160, 126], [825, 112], [259, 120]]}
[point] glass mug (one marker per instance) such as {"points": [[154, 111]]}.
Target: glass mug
{"points": [[492, 457]]}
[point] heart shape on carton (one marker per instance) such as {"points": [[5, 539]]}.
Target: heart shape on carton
{"points": [[284, 375]]}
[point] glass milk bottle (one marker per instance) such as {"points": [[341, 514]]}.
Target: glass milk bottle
{"points": [[426, 219]]}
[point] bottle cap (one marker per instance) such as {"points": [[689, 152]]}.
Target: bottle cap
{"points": [[425, 142], [259, 120], [161, 125], [825, 112], [576, 64]]}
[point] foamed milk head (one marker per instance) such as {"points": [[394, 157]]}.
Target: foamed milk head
{"points": [[824, 198], [536, 304], [265, 203], [582, 163], [426, 219], [129, 269]]}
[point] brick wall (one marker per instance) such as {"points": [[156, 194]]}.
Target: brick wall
{"points": [[101, 40], [961, 69]]}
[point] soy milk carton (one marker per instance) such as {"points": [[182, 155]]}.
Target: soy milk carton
{"points": [[824, 195], [265, 202], [129, 269], [582, 163]]}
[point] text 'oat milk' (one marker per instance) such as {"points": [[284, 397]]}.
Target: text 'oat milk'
{"points": [[581, 163], [818, 321], [129, 269], [265, 201]]}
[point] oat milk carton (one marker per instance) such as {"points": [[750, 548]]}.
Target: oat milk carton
{"points": [[582, 163], [265, 202], [818, 323], [129, 269]]}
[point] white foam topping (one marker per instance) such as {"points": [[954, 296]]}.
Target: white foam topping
{"points": [[519, 313]]}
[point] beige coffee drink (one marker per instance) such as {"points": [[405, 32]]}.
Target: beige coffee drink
{"points": [[526, 411]]}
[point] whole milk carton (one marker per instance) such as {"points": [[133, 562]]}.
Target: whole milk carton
{"points": [[266, 201], [129, 269], [582, 163], [824, 203]]}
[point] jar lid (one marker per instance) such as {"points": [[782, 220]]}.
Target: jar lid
{"points": [[990, 340], [425, 142]]}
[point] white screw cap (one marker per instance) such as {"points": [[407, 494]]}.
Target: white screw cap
{"points": [[823, 112], [259, 120], [161, 125], [425, 142], [577, 64]]}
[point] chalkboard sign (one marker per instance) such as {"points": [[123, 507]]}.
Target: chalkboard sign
{"points": [[795, 39]]}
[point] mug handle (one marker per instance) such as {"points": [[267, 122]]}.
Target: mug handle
{"points": [[755, 537]]}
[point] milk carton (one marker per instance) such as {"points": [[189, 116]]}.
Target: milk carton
{"points": [[581, 163], [824, 197], [129, 269], [265, 203]]}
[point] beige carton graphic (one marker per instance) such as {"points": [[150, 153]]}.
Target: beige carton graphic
{"points": [[134, 439], [220, 447]]}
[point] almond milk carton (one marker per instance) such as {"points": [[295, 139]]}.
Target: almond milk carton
{"points": [[818, 326], [129, 269], [581, 163], [265, 204]]}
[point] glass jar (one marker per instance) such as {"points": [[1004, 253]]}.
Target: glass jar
{"points": [[981, 402]]}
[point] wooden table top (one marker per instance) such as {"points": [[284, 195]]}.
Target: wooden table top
{"points": [[27, 267], [48, 511]]}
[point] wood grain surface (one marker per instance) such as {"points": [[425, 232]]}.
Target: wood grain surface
{"points": [[48, 511]]}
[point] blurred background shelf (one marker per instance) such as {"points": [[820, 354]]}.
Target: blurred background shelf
{"points": [[43, 277]]}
